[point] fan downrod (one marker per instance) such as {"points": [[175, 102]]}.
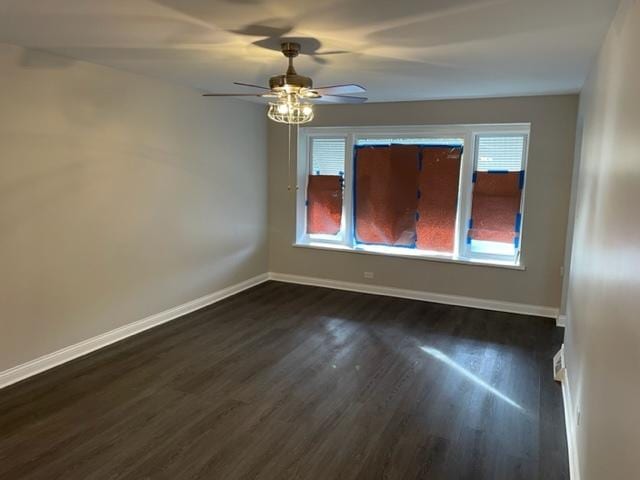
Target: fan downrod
{"points": [[290, 80], [290, 49]]}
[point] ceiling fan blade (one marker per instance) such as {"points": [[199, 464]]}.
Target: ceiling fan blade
{"points": [[340, 99], [332, 52], [236, 95], [309, 93], [319, 60], [251, 85], [340, 89]]}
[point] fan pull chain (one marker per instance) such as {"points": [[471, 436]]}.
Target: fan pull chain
{"points": [[289, 162], [297, 137]]}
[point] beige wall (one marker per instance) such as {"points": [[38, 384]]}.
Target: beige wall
{"points": [[603, 333], [553, 121], [120, 197]]}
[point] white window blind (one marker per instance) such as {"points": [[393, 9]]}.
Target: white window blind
{"points": [[502, 152], [327, 156]]}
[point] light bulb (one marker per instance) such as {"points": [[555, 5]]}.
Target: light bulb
{"points": [[283, 108], [307, 110]]}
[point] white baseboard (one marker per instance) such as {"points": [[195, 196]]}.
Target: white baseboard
{"points": [[570, 424], [54, 359], [59, 357], [561, 321], [496, 305]]}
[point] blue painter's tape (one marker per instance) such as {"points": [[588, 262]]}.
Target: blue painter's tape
{"points": [[383, 145], [468, 240], [518, 220], [521, 180], [498, 172], [440, 145], [516, 241], [341, 174], [417, 217], [470, 223], [306, 203], [317, 172], [423, 146], [474, 177]]}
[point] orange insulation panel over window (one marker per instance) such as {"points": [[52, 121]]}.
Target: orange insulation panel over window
{"points": [[385, 197], [495, 207], [438, 198], [324, 204]]}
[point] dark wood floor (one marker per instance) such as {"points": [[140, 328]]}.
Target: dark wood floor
{"points": [[293, 382]]}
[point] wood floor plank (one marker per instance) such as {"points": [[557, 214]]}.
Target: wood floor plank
{"points": [[295, 382]]}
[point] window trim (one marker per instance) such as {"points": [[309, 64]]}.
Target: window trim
{"points": [[466, 251], [346, 243]]}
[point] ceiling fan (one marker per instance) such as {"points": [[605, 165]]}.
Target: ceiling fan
{"points": [[294, 94]]}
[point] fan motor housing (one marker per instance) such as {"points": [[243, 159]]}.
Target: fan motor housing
{"points": [[279, 82]]}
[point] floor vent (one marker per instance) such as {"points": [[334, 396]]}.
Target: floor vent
{"points": [[559, 368]]}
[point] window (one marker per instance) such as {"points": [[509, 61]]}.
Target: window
{"points": [[498, 181], [324, 200], [453, 193]]}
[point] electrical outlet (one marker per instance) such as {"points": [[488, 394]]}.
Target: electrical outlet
{"points": [[368, 274]]}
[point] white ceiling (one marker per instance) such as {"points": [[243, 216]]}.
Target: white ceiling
{"points": [[398, 49]]}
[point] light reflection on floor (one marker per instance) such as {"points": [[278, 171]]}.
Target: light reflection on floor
{"points": [[438, 355]]}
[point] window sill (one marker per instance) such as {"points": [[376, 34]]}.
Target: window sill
{"points": [[416, 255]]}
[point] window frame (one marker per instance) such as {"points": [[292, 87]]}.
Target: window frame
{"points": [[345, 240], [466, 252]]}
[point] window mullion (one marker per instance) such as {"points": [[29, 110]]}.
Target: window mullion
{"points": [[465, 193], [303, 164], [347, 204]]}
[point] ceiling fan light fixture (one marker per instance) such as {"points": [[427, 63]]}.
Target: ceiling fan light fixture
{"points": [[294, 93], [290, 112]]}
